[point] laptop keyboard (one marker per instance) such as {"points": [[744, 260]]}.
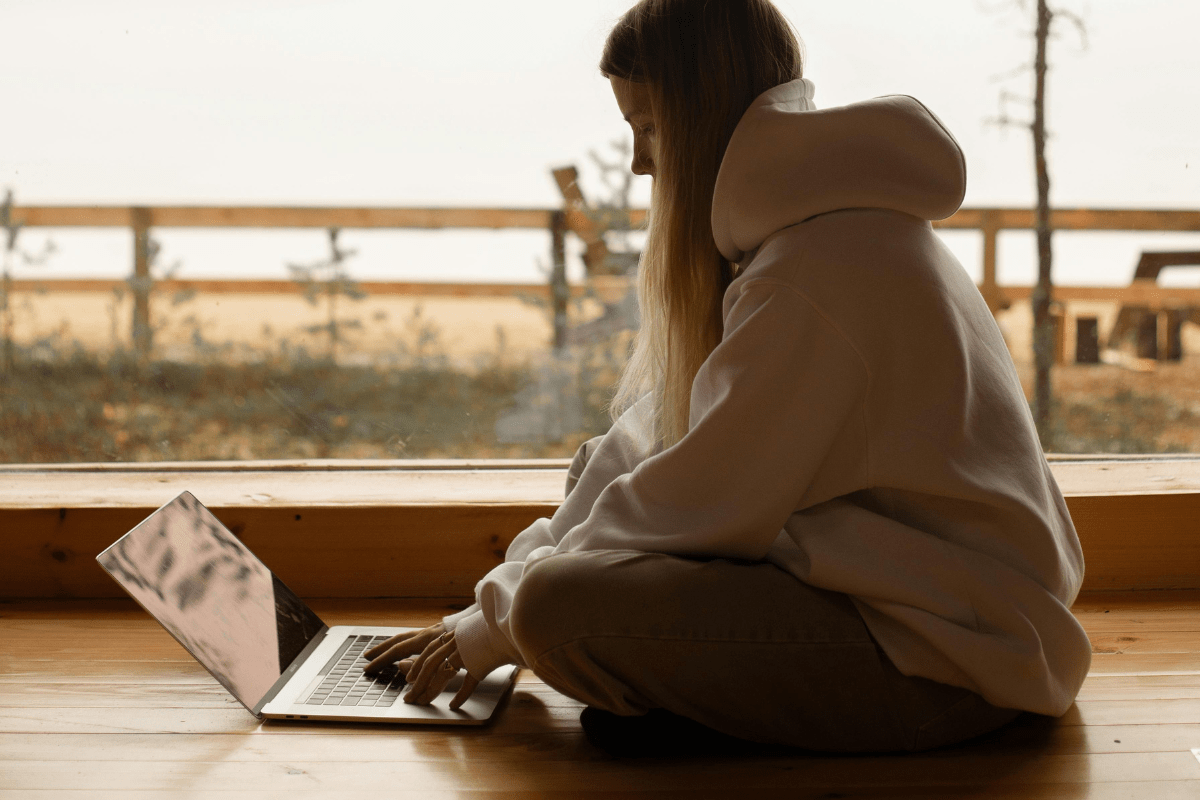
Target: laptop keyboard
{"points": [[345, 683]]}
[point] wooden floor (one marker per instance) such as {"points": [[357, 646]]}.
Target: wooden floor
{"points": [[97, 701]]}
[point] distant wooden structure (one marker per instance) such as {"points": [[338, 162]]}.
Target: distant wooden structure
{"points": [[1156, 327], [590, 222], [577, 218], [580, 222]]}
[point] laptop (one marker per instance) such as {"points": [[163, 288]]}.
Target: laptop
{"points": [[261, 641]]}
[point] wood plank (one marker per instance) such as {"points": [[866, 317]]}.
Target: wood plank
{"points": [[1145, 664], [454, 522], [433, 744], [1039, 734], [1080, 478], [1159, 790], [114, 695], [407, 481], [201, 693], [1141, 687], [1128, 611], [31, 490], [1077, 219], [155, 644], [400, 744], [281, 287], [1043, 737], [1131, 712], [537, 775], [114, 638], [1138, 542], [802, 773], [415, 550], [180, 672], [1138, 604], [34, 631], [1111, 612], [537, 718], [334, 611], [147, 673], [1046, 735], [1102, 625], [552, 712], [171, 686], [177, 666], [289, 465], [452, 217], [204, 695], [324, 793], [1129, 734], [1138, 293], [1139, 642], [283, 217]]}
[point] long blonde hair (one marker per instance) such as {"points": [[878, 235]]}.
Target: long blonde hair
{"points": [[703, 62]]}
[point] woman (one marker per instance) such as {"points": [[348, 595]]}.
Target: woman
{"points": [[827, 522]]}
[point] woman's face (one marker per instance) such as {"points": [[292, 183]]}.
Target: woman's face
{"points": [[634, 102]]}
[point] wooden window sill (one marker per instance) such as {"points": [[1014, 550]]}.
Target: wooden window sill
{"points": [[423, 528]]}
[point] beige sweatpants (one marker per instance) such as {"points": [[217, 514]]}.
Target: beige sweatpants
{"points": [[742, 647]]}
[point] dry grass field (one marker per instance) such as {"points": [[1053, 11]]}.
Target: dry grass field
{"points": [[384, 328], [250, 377], [1102, 408]]}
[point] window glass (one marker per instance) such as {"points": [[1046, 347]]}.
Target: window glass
{"points": [[160, 303]]}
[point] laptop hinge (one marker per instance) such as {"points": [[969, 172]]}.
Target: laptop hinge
{"points": [[290, 671]]}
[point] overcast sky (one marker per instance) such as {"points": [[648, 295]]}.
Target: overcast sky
{"points": [[395, 102]]}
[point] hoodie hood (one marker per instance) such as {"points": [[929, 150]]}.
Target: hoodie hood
{"points": [[788, 161]]}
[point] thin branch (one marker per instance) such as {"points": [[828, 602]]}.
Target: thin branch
{"points": [[1004, 6], [1004, 120], [1007, 96], [1077, 22], [1013, 73], [1004, 123], [40, 259]]}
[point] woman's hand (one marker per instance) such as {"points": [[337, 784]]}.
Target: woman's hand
{"points": [[438, 661]]}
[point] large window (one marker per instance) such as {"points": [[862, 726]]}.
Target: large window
{"points": [[352, 230]]}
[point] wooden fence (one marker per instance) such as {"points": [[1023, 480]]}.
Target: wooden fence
{"points": [[576, 218]]}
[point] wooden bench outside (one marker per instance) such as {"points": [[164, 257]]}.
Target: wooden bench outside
{"points": [[1156, 329]]}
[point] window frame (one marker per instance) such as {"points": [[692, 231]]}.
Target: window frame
{"points": [[433, 528]]}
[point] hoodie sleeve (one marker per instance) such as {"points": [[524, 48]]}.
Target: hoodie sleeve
{"points": [[767, 407], [596, 464]]}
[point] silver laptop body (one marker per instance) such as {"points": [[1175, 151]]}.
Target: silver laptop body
{"points": [[257, 638]]}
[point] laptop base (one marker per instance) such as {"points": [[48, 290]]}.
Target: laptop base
{"points": [[289, 703]]}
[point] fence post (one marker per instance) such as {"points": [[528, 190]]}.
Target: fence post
{"points": [[141, 283], [1087, 340], [990, 291], [559, 291]]}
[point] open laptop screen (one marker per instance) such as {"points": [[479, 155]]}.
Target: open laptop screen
{"points": [[214, 596]]}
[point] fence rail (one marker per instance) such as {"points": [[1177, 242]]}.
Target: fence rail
{"points": [[1143, 293], [573, 217], [63, 216], [284, 287]]}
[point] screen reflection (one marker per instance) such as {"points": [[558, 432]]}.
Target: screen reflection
{"points": [[202, 584]]}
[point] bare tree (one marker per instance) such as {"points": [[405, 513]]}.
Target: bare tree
{"points": [[1042, 298], [12, 229], [611, 213], [328, 277], [610, 216]]}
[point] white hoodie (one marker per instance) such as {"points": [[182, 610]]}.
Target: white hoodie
{"points": [[860, 424]]}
